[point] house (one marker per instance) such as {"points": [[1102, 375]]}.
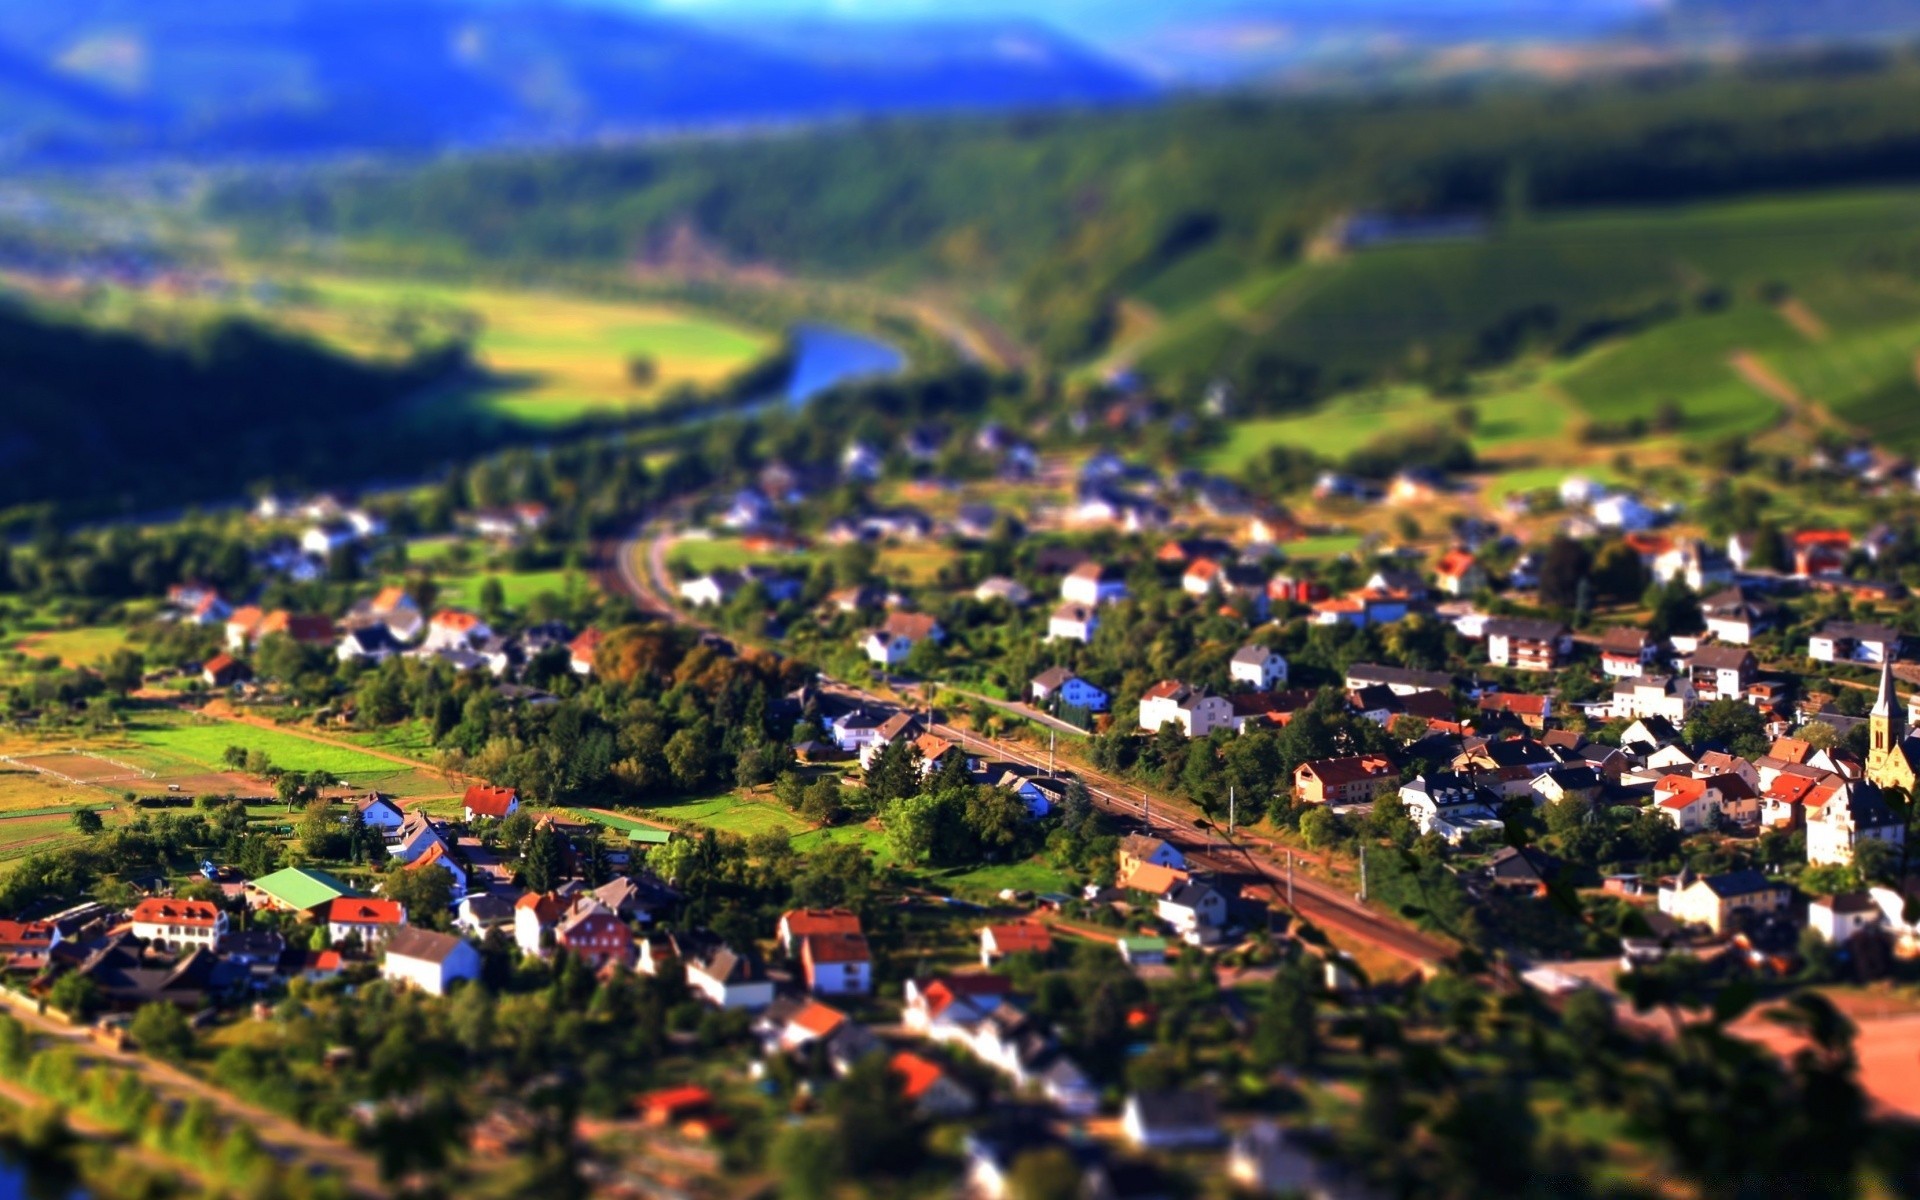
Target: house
{"points": [[455, 629], [885, 649], [378, 812], [1170, 1120], [594, 933], [582, 650], [372, 643], [1522, 869], [1402, 681], [1352, 779], [178, 924], [223, 670], [837, 964], [723, 976], [1271, 1160], [1451, 804], [1690, 803], [483, 912], [1530, 710], [295, 889], [1847, 641], [1259, 667], [1137, 849], [1694, 563], [1190, 906], [1196, 713], [713, 589], [999, 587], [306, 629], [947, 1007], [1837, 918], [398, 611], [432, 962], [1722, 903], [1722, 672], [1820, 551], [1623, 512], [1019, 937], [638, 899], [1526, 644], [489, 803], [798, 924], [1668, 697], [25, 945], [1857, 813], [1571, 784], [1626, 652], [370, 920], [1734, 617], [1094, 584], [535, 917], [1059, 683], [1072, 622], [1459, 573], [932, 1092], [791, 1024]]}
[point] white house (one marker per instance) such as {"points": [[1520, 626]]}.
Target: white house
{"points": [[1170, 1121], [380, 813], [886, 649], [1093, 584], [1845, 641], [430, 961], [1623, 512], [370, 919], [1197, 713], [1258, 667], [1670, 697], [1857, 813], [323, 539], [453, 629], [1837, 918], [179, 924], [1062, 684], [1190, 906], [1072, 623]]}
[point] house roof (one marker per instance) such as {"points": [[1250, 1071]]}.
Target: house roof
{"points": [[1723, 658], [1680, 790], [545, 906], [356, 910], [1020, 936], [389, 598], [1174, 1110], [805, 922], [1153, 879], [818, 1019], [1738, 883], [835, 948], [220, 662], [486, 801], [1624, 641], [162, 911], [1454, 563], [1514, 702], [912, 626], [1854, 631], [301, 887], [1333, 772], [1525, 629], [457, 620], [1053, 678], [1079, 614], [917, 1074], [423, 944], [1253, 656], [932, 746]]}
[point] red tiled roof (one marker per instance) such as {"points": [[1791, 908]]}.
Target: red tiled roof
{"points": [[1021, 936], [218, 663], [835, 948], [161, 911], [916, 1074], [1454, 563], [818, 1019], [353, 910], [455, 619], [674, 1099], [488, 801], [805, 922]]}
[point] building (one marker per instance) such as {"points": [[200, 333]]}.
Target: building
{"points": [[1838, 918], [1893, 758], [1402, 681], [1059, 683], [1094, 584], [1722, 903], [1072, 622], [1722, 672], [1018, 937], [1170, 1121], [370, 920], [594, 933], [295, 889], [838, 963], [885, 649], [1847, 641], [178, 924], [1526, 644], [1190, 906], [1258, 667], [454, 629], [489, 803], [1856, 813], [223, 670], [1668, 697], [1139, 848], [1625, 653], [432, 962], [1350, 780], [1459, 573], [1196, 713]]}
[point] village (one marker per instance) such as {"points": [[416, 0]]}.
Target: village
{"points": [[1141, 690]]}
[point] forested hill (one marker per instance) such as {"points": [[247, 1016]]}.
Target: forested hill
{"points": [[113, 420], [1068, 213]]}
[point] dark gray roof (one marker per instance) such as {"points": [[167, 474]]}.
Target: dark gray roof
{"points": [[1525, 629], [423, 944]]}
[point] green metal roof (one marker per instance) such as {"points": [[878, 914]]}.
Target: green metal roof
{"points": [[1144, 943], [301, 888], [653, 837]]}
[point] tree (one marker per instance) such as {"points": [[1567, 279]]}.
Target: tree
{"points": [[123, 671], [161, 1030], [806, 1163], [1287, 1032], [321, 833], [545, 866], [1565, 564], [912, 824], [1735, 725], [87, 821], [75, 996], [1320, 827], [1045, 1174], [493, 597], [427, 893], [642, 371], [686, 753]]}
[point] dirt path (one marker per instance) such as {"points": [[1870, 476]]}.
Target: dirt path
{"points": [[221, 710], [1803, 319], [1770, 383], [280, 1135]]}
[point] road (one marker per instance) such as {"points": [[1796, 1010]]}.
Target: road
{"points": [[1323, 904]]}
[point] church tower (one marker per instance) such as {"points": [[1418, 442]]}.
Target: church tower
{"points": [[1887, 761]]}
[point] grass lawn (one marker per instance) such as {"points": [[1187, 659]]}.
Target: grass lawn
{"points": [[697, 556], [987, 881], [1322, 547], [732, 813], [411, 738], [182, 747], [557, 357], [23, 790], [517, 587], [82, 647]]}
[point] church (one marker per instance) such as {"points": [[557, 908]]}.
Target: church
{"points": [[1893, 760]]}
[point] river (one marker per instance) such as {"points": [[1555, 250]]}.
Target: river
{"points": [[825, 356]]}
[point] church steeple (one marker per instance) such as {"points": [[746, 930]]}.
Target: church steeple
{"points": [[1887, 723]]}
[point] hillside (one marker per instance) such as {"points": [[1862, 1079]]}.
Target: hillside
{"points": [[1207, 217], [105, 80]]}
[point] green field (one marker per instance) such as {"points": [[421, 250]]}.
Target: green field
{"points": [[516, 587], [732, 814], [81, 647], [697, 556]]}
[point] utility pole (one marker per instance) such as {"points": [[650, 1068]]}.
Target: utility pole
{"points": [[1229, 811], [1052, 735], [1289, 879], [1363, 874]]}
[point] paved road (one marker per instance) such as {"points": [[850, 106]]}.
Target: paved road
{"points": [[1323, 904]]}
